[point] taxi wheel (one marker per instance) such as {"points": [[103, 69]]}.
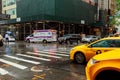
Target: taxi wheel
{"points": [[79, 58], [108, 75], [28, 41]]}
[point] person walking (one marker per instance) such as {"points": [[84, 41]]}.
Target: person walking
{"points": [[1, 40], [6, 37]]}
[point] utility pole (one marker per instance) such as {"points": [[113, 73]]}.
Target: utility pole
{"points": [[108, 13]]}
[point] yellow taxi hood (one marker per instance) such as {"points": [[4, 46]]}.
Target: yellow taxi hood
{"points": [[114, 54], [81, 46]]}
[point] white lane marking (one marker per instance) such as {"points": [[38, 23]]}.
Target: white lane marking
{"points": [[13, 64], [3, 72], [21, 59], [50, 55], [34, 57]]}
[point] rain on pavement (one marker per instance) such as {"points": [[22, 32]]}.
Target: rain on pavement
{"points": [[37, 61]]}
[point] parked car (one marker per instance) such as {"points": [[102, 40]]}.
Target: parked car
{"points": [[105, 66], [69, 38], [90, 38], [82, 53]]}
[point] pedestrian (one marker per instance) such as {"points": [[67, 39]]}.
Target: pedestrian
{"points": [[7, 37], [1, 40]]}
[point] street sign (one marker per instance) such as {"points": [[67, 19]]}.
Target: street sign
{"points": [[82, 21], [18, 19]]}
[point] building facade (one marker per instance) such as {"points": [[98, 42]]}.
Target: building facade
{"points": [[65, 16], [9, 7], [106, 9]]}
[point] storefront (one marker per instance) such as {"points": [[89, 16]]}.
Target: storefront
{"points": [[71, 17]]}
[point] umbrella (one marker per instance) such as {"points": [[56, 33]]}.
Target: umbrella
{"points": [[8, 32]]}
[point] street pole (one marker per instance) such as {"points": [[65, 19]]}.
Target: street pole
{"points": [[108, 14]]}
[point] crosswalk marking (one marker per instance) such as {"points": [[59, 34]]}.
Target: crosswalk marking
{"points": [[21, 59], [52, 53], [46, 53], [65, 49], [34, 57], [13, 64], [3, 72], [56, 51], [43, 55]]}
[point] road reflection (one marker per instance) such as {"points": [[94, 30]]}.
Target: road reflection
{"points": [[77, 71], [58, 63], [40, 47], [8, 49]]}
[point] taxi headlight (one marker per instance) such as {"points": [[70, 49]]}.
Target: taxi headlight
{"points": [[93, 61]]}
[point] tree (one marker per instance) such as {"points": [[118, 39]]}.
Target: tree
{"points": [[118, 5], [114, 19]]}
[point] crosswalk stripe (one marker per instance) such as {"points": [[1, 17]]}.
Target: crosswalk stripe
{"points": [[3, 72], [13, 64], [21, 59], [50, 55], [34, 57], [65, 52], [65, 49]]}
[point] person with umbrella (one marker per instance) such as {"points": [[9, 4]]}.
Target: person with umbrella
{"points": [[7, 37]]}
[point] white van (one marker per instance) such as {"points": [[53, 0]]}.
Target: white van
{"points": [[42, 36]]}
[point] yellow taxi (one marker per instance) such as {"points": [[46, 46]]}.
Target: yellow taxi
{"points": [[82, 53], [105, 66]]}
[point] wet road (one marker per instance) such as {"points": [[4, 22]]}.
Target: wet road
{"points": [[36, 61]]}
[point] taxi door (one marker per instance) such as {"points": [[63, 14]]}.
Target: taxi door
{"points": [[99, 47]]}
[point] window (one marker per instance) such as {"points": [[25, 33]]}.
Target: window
{"points": [[103, 43], [11, 2], [4, 11], [117, 43], [4, 3], [11, 11], [107, 43]]}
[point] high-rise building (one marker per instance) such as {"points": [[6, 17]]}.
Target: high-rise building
{"points": [[106, 9], [106, 6]]}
